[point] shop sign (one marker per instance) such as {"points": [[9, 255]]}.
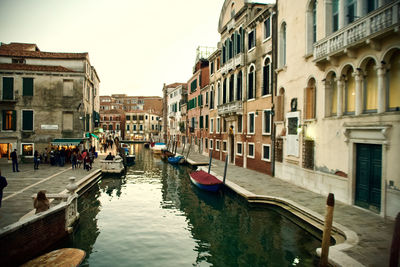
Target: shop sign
{"points": [[49, 127]]}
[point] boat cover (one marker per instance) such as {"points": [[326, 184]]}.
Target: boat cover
{"points": [[205, 178]]}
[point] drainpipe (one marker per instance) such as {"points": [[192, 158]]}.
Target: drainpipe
{"points": [[274, 17]]}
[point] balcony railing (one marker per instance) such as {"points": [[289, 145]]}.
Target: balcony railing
{"points": [[372, 25], [230, 108], [232, 63]]}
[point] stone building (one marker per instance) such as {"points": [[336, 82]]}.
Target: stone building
{"points": [[142, 125], [177, 94], [244, 85], [46, 98], [338, 102]]}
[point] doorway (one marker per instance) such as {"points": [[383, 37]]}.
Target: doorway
{"points": [[368, 176]]}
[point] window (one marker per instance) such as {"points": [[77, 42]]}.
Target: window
{"points": [[266, 153], [201, 122], [224, 125], [310, 100], [250, 123], [206, 143], [240, 123], [239, 86], [266, 122], [211, 144], [252, 39], [211, 68], [128, 117], [217, 142], [147, 117], [212, 98], [250, 154], [8, 88], [117, 127], [218, 125], [27, 120], [372, 5], [68, 87], [335, 15], [239, 148], [134, 127], [193, 85], [251, 83], [311, 21], [331, 95], [350, 92], [224, 91], [134, 117], [267, 28], [141, 127], [9, 120], [267, 77], [206, 121], [110, 127], [206, 98], [211, 125], [224, 145], [371, 87], [127, 127], [141, 117], [27, 86], [394, 82], [282, 45], [27, 150], [231, 90], [350, 9]]}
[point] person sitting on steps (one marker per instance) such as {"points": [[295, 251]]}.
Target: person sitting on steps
{"points": [[110, 156], [41, 203]]}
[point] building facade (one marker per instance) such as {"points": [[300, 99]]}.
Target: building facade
{"points": [[338, 101], [177, 94], [45, 96]]}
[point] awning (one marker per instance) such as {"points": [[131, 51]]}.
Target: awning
{"points": [[90, 134], [66, 141]]}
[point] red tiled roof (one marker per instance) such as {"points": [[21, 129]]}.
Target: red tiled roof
{"points": [[6, 66], [173, 85], [20, 46], [32, 51]]}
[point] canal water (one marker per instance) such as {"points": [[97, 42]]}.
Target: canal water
{"points": [[155, 217]]}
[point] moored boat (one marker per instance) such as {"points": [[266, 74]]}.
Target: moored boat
{"points": [[176, 160], [205, 181], [158, 147]]}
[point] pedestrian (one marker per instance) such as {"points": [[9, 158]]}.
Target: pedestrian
{"points": [[3, 183], [62, 157], [91, 157], [52, 158], [36, 160], [74, 160], [14, 158], [79, 159], [45, 155], [86, 162], [41, 203]]}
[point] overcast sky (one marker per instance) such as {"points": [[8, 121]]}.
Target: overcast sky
{"points": [[135, 46]]}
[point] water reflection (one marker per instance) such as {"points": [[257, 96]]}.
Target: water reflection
{"points": [[154, 216]]}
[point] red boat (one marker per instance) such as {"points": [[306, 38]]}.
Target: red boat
{"points": [[205, 181]]}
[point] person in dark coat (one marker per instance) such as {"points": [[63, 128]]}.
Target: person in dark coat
{"points": [[3, 183], [36, 160], [14, 158]]}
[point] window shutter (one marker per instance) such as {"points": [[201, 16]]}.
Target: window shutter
{"points": [[27, 86], [27, 120], [8, 88]]}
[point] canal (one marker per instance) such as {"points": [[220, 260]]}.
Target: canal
{"points": [[154, 216]]}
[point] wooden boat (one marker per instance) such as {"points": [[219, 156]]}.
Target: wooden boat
{"points": [[167, 153], [205, 181], [176, 160], [60, 257], [147, 145]]}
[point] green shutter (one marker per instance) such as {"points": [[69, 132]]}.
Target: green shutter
{"points": [[27, 86], [8, 88], [27, 120]]}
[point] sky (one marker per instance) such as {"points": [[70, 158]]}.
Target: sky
{"points": [[135, 46]]}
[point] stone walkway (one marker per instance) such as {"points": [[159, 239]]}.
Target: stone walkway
{"points": [[374, 232]]}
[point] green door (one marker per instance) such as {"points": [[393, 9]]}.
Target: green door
{"points": [[369, 176]]}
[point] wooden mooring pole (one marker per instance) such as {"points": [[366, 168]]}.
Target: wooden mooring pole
{"points": [[326, 237], [395, 248], [190, 146], [226, 166], [209, 163]]}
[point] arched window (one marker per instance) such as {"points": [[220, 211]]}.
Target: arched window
{"points": [[267, 77], [238, 43], [239, 86], [335, 15], [231, 89], [311, 25], [232, 45], [394, 82], [219, 93], [350, 92], [110, 127], [224, 91], [232, 9], [282, 45], [251, 83], [310, 100], [370, 87]]}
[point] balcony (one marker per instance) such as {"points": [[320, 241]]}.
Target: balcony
{"points": [[172, 114], [239, 60], [372, 26], [231, 108]]}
